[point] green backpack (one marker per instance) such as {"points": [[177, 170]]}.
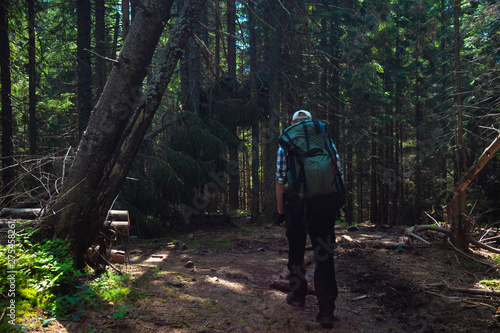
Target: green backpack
{"points": [[312, 160]]}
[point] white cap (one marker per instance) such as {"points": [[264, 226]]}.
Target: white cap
{"points": [[301, 115]]}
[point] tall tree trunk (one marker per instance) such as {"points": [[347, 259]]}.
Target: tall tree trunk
{"points": [[459, 229], [7, 117], [292, 58], [231, 40], [322, 112], [32, 124], [334, 116], [349, 179], [373, 176], [125, 18], [184, 68], [273, 127], [217, 38], [254, 106], [100, 45], [397, 191], [419, 152], [84, 66], [116, 34], [234, 180], [359, 182], [191, 72], [194, 72], [118, 124]]}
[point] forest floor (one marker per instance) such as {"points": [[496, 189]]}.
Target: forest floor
{"points": [[231, 280]]}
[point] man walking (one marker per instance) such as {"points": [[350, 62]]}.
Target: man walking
{"points": [[309, 209]]}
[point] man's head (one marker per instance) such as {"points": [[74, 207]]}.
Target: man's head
{"points": [[301, 115]]}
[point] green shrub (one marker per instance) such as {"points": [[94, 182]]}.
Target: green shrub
{"points": [[45, 279], [41, 270]]}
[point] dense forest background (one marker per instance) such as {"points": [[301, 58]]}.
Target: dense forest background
{"points": [[409, 91]]}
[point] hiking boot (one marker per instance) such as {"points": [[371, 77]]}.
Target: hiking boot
{"points": [[295, 301], [325, 321]]}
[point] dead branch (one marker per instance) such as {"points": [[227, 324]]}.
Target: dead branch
{"points": [[114, 61], [470, 257], [419, 238], [420, 228], [432, 218], [160, 129], [484, 246], [258, 17], [106, 261], [426, 227], [472, 291]]}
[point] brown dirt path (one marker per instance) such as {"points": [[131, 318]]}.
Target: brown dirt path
{"points": [[227, 288]]}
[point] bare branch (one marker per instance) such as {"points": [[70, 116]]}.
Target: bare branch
{"points": [[116, 62]]}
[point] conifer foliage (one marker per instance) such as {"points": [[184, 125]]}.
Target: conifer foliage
{"points": [[382, 75]]}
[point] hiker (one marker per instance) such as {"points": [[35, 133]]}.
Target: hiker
{"points": [[306, 213]]}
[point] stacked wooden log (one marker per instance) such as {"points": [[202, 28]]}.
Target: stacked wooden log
{"points": [[118, 219]]}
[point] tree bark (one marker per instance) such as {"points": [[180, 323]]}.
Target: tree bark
{"points": [[84, 66], [116, 34], [217, 37], [125, 18], [100, 46], [458, 203], [418, 118], [32, 123], [273, 124], [254, 105], [7, 117], [234, 179], [231, 40], [118, 124], [373, 175]]}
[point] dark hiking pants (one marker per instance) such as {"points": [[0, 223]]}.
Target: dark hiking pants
{"points": [[316, 217]]}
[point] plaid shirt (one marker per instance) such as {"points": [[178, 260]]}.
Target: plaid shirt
{"points": [[281, 165]]}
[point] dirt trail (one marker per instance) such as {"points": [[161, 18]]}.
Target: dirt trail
{"points": [[226, 280]]}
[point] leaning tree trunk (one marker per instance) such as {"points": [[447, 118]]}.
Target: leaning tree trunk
{"points": [[118, 124]]}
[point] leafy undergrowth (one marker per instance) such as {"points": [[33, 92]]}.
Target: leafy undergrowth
{"points": [[232, 281]]}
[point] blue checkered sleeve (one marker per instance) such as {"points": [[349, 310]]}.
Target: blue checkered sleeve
{"points": [[281, 166]]}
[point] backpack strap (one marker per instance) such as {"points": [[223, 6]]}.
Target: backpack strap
{"points": [[297, 176], [306, 135], [286, 145], [332, 151]]}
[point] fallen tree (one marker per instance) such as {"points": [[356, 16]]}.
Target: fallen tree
{"points": [[460, 225], [460, 231]]}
